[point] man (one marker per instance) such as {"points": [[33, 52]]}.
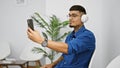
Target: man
{"points": [[78, 47]]}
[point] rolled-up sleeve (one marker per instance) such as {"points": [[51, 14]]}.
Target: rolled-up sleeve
{"points": [[80, 44]]}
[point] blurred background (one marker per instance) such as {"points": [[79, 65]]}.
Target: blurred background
{"points": [[103, 22]]}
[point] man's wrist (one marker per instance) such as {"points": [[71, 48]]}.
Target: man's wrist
{"points": [[44, 43]]}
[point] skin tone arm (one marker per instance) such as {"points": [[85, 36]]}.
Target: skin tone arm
{"points": [[57, 61], [52, 64], [57, 46]]}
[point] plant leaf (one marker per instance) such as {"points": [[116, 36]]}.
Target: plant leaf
{"points": [[61, 37], [39, 50], [41, 18], [45, 35]]}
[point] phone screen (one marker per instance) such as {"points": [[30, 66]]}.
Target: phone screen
{"points": [[30, 23]]}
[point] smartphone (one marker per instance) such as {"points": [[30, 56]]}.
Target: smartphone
{"points": [[30, 23]]}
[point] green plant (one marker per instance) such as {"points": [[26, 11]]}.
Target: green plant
{"points": [[52, 29]]}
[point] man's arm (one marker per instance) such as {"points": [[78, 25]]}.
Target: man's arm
{"points": [[57, 61], [52, 65], [58, 46]]}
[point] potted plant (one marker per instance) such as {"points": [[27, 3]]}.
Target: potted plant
{"points": [[52, 29]]}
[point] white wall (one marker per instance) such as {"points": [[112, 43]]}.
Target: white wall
{"points": [[13, 23], [111, 30]]}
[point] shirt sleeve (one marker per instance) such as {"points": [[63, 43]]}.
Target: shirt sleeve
{"points": [[81, 44]]}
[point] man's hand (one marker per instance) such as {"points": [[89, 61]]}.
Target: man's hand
{"points": [[47, 66], [34, 36]]}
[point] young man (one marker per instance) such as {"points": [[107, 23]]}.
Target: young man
{"points": [[79, 45]]}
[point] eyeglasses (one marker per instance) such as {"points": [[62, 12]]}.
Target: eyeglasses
{"points": [[73, 15]]}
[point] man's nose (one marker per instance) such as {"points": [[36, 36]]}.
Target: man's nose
{"points": [[70, 18]]}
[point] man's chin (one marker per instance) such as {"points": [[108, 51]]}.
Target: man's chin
{"points": [[71, 26]]}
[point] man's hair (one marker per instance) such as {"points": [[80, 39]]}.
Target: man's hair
{"points": [[78, 8]]}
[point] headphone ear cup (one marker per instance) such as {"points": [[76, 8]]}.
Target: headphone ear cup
{"points": [[84, 18]]}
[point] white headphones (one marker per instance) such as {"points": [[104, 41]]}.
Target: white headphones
{"points": [[84, 18]]}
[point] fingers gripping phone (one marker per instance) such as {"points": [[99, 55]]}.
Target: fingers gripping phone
{"points": [[30, 23]]}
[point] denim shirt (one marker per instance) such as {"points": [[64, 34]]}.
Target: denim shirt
{"points": [[81, 46]]}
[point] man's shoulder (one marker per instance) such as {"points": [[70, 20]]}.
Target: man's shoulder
{"points": [[88, 33]]}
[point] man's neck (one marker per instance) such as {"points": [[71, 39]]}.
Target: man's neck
{"points": [[77, 28]]}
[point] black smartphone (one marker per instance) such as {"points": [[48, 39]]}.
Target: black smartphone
{"points": [[30, 23]]}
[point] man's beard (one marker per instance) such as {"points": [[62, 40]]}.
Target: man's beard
{"points": [[71, 26]]}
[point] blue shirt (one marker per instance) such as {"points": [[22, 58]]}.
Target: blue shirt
{"points": [[81, 46]]}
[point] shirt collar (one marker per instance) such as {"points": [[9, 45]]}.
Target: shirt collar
{"points": [[79, 31]]}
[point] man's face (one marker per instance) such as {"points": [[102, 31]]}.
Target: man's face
{"points": [[75, 19]]}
